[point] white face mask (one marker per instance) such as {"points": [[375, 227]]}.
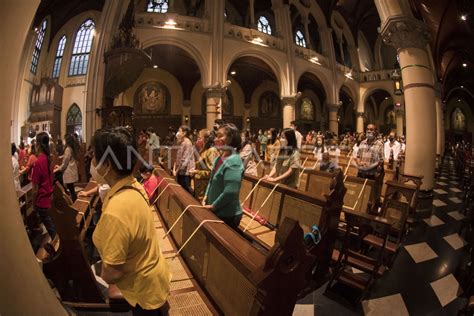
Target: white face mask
{"points": [[283, 142], [97, 176]]}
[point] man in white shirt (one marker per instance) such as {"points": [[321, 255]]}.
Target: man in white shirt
{"points": [[391, 148], [299, 137]]}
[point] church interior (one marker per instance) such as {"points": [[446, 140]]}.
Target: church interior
{"points": [[353, 121]]}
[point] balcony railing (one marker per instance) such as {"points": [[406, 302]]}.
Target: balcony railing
{"points": [[172, 21], [252, 36], [378, 75]]}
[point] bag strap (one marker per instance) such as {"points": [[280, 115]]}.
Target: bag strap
{"points": [[129, 187]]}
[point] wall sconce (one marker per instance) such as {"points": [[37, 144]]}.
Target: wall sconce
{"points": [[186, 118], [397, 82]]}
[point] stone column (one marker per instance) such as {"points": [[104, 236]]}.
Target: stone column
{"points": [[439, 127], [400, 116], [306, 32], [246, 115], [333, 123], [411, 36], [186, 113], [288, 105], [252, 25], [360, 122], [217, 42], [213, 106]]}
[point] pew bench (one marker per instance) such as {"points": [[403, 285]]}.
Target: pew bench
{"points": [[238, 277]]}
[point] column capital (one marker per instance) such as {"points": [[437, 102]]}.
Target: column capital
{"points": [[215, 92], [187, 103], [360, 114], [333, 107], [290, 99], [405, 32]]}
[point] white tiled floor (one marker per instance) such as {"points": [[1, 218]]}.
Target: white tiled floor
{"points": [[454, 182], [440, 191], [455, 190], [388, 305], [455, 200], [303, 310], [446, 289], [439, 203], [433, 221], [421, 252], [443, 178], [457, 216], [441, 183], [455, 241]]}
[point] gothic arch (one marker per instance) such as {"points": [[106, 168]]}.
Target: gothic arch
{"points": [[188, 48]]}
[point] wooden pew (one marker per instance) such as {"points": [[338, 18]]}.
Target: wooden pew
{"points": [[238, 277], [359, 196], [69, 269]]}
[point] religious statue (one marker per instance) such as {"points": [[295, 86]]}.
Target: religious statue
{"points": [[458, 120], [391, 118], [307, 109], [269, 105]]}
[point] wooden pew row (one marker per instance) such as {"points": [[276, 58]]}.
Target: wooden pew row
{"points": [[77, 283], [275, 203], [239, 278]]}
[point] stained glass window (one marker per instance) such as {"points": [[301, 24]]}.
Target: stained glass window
{"points": [[59, 57], [157, 6], [37, 50], [264, 26], [82, 48], [299, 39]]}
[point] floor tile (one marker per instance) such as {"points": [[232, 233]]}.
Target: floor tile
{"points": [[439, 203], [356, 271], [455, 200], [303, 310], [388, 305], [455, 190], [421, 252], [454, 182], [455, 241], [433, 221], [446, 289], [441, 183], [443, 178], [440, 191], [457, 216]]}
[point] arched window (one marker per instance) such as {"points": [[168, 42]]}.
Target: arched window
{"points": [[299, 39], [59, 57], [82, 48], [264, 26], [37, 50], [74, 120], [157, 6]]}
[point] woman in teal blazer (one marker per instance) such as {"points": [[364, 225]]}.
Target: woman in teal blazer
{"points": [[222, 192]]}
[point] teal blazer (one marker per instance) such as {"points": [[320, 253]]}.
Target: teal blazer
{"points": [[224, 187]]}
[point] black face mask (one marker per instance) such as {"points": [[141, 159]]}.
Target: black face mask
{"points": [[391, 139]]}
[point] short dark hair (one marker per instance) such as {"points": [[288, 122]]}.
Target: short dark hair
{"points": [[13, 149], [233, 135], [293, 123], [121, 142], [144, 168]]}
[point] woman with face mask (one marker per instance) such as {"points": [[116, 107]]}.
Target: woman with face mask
{"points": [[69, 166], [248, 154], [319, 148], [222, 193], [288, 164], [125, 235], [273, 147], [185, 163]]}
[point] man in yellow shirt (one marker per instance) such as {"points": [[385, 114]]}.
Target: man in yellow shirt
{"points": [[125, 235]]}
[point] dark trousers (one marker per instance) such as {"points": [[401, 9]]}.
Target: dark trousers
{"points": [[185, 182], [72, 191], [232, 221], [138, 311], [47, 220]]}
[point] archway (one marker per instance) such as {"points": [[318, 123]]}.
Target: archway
{"points": [[346, 114], [161, 96], [375, 103], [74, 120], [259, 85], [309, 107]]}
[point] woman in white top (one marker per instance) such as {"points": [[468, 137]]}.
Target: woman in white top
{"points": [[16, 168], [69, 166], [248, 154], [319, 148]]}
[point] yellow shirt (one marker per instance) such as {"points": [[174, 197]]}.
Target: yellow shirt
{"points": [[125, 235]]}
